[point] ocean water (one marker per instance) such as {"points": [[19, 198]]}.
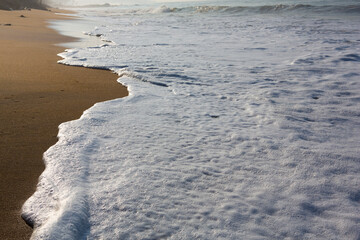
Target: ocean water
{"points": [[243, 122]]}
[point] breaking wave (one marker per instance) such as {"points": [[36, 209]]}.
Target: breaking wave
{"points": [[266, 9], [277, 8]]}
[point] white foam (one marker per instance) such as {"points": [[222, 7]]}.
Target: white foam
{"points": [[260, 140]]}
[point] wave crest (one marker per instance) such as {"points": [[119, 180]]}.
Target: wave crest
{"points": [[279, 8]]}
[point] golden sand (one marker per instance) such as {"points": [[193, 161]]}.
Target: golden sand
{"points": [[36, 95]]}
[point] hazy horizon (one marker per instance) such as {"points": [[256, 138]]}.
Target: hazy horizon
{"points": [[114, 2]]}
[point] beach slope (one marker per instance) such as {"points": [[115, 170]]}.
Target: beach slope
{"points": [[36, 95]]}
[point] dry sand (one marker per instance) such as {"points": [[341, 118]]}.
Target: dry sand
{"points": [[36, 95]]}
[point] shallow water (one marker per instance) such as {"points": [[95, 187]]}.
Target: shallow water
{"points": [[242, 123]]}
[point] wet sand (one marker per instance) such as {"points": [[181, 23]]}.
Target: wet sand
{"points": [[36, 95]]}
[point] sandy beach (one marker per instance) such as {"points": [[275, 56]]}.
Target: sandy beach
{"points": [[36, 95]]}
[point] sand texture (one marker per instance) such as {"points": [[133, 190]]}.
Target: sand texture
{"points": [[36, 95]]}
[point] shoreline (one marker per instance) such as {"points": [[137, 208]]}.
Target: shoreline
{"points": [[36, 95]]}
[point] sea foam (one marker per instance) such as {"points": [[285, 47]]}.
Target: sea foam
{"points": [[236, 127]]}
